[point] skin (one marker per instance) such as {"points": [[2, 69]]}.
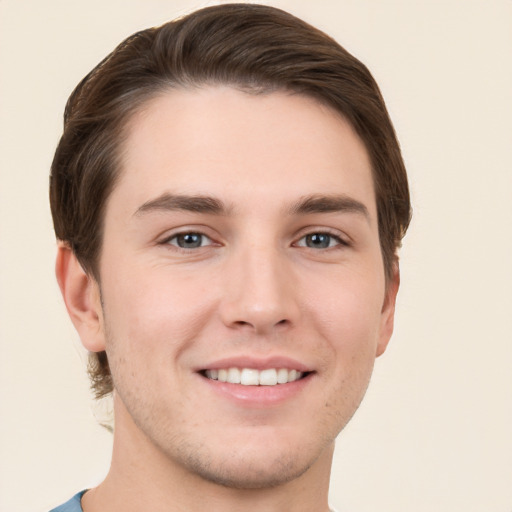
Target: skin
{"points": [[255, 286]]}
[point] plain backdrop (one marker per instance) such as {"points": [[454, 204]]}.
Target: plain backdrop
{"points": [[434, 433]]}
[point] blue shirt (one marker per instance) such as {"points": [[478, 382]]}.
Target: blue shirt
{"points": [[73, 505]]}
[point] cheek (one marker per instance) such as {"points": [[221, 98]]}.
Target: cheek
{"points": [[348, 311], [150, 310]]}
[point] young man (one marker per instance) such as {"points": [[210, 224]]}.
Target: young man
{"points": [[229, 197]]}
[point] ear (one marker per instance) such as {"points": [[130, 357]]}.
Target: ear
{"points": [[388, 310], [81, 295]]}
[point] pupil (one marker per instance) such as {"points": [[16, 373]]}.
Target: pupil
{"points": [[190, 240], [318, 240]]}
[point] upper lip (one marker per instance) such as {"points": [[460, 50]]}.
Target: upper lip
{"points": [[257, 363]]}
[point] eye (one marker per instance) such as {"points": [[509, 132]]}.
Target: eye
{"points": [[189, 240], [320, 241]]}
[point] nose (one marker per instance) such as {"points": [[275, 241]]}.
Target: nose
{"points": [[261, 294]]}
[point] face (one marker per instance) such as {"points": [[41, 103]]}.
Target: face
{"points": [[243, 298]]}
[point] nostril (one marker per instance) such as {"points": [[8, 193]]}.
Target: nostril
{"points": [[242, 323]]}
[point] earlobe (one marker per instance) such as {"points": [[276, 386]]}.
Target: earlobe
{"points": [[388, 310], [81, 295]]}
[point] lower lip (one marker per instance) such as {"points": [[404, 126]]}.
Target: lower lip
{"points": [[259, 396]]}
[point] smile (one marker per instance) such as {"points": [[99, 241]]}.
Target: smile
{"points": [[253, 377]]}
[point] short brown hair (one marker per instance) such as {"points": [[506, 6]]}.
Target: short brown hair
{"points": [[251, 47]]}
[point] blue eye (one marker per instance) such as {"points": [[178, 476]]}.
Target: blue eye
{"points": [[189, 240], [319, 241]]}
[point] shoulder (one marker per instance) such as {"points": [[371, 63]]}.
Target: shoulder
{"points": [[73, 505]]}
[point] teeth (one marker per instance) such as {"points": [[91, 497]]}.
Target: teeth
{"points": [[282, 376], [252, 377], [268, 377], [234, 375], [249, 377]]}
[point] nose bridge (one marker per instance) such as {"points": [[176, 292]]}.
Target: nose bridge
{"points": [[261, 294]]}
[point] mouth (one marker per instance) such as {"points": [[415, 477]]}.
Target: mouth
{"points": [[255, 377]]}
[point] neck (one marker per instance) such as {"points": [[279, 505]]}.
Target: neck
{"points": [[142, 478]]}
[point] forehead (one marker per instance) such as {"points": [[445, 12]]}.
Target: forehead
{"points": [[221, 141]]}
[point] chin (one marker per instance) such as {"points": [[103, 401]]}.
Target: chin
{"points": [[251, 474], [254, 462]]}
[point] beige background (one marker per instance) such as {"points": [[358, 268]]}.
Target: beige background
{"points": [[435, 431]]}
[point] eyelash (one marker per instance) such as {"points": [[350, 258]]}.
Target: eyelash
{"points": [[332, 236], [320, 233], [168, 241]]}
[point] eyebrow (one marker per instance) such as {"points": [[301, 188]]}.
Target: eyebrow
{"points": [[329, 204], [211, 205], [190, 203]]}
